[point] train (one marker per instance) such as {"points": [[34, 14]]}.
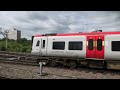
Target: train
{"points": [[95, 49]]}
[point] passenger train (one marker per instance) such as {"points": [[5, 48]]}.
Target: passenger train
{"points": [[93, 49]]}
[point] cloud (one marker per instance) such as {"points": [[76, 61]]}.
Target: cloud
{"points": [[40, 22]]}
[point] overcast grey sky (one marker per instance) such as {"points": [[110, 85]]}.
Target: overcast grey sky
{"points": [[40, 22]]}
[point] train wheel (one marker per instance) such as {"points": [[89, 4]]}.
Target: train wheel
{"points": [[72, 64]]}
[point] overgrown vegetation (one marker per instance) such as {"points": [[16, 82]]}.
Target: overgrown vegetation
{"points": [[22, 45]]}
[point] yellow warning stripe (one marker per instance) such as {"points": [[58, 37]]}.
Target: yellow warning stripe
{"points": [[87, 43], [94, 43], [102, 43]]}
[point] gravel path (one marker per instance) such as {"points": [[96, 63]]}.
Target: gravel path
{"points": [[15, 71]]}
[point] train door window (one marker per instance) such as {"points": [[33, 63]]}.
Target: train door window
{"points": [[90, 44], [99, 44], [75, 45], [115, 45], [38, 42], [43, 44], [58, 45]]}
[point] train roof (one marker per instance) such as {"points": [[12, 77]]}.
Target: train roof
{"points": [[77, 34]]}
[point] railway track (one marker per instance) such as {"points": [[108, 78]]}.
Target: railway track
{"points": [[84, 70], [17, 58], [92, 70], [25, 62], [12, 58]]}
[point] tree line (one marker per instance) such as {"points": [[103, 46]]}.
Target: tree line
{"points": [[21, 45]]}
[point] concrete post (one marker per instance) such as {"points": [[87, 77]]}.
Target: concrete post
{"points": [[40, 63]]}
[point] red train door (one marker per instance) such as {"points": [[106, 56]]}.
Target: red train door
{"points": [[95, 47]]}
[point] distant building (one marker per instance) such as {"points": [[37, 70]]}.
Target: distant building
{"points": [[14, 34]]}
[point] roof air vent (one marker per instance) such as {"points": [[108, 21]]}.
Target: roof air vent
{"points": [[97, 31]]}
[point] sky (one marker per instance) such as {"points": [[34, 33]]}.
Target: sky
{"points": [[40, 22]]}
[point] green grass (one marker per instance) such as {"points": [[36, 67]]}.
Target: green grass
{"points": [[22, 45]]}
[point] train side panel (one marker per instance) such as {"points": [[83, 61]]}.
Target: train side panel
{"points": [[66, 52], [36, 46], [112, 47]]}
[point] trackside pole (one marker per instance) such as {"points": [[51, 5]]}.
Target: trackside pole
{"points": [[40, 63], [41, 68]]}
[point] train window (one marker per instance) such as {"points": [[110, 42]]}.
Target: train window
{"points": [[38, 42], [115, 45], [43, 43], [90, 44], [75, 45], [59, 45], [99, 44]]}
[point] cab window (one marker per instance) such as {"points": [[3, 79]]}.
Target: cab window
{"points": [[38, 43]]}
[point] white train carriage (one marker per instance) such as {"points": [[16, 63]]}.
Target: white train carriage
{"points": [[70, 46], [112, 47], [95, 48]]}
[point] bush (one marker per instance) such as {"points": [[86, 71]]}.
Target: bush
{"points": [[22, 45], [3, 48], [24, 49]]}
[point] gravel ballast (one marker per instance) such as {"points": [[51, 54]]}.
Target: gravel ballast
{"points": [[16, 71]]}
